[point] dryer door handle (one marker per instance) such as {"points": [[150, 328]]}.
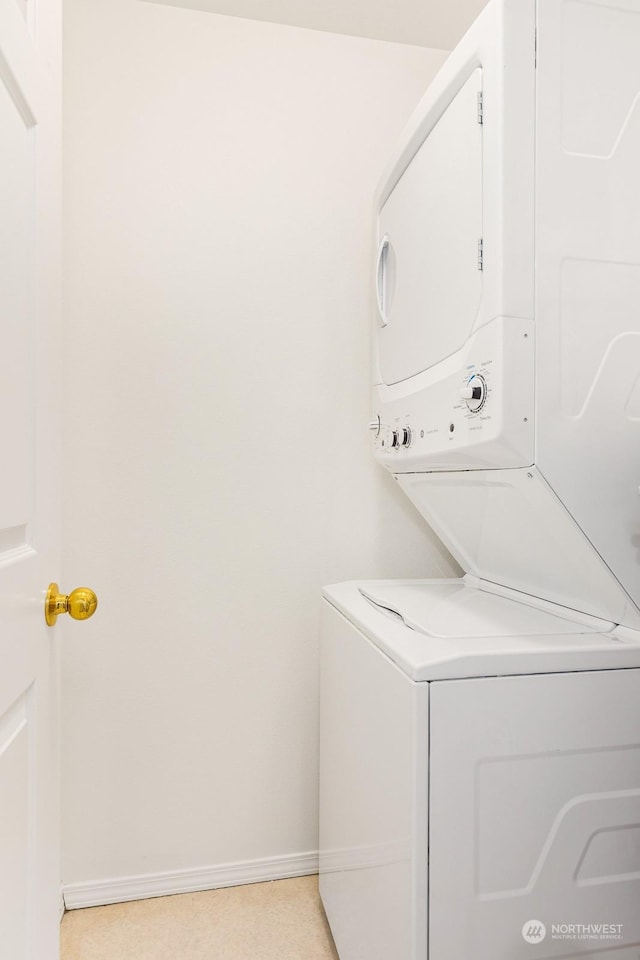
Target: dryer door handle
{"points": [[382, 288]]}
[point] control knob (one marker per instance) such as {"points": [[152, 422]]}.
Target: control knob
{"points": [[471, 393], [474, 393]]}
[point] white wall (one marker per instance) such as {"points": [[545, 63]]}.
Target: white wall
{"points": [[219, 175]]}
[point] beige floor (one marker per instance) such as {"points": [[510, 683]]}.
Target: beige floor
{"points": [[281, 920]]}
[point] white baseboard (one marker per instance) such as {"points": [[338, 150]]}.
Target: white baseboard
{"points": [[96, 893]]}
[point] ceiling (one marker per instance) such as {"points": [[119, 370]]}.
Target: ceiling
{"points": [[429, 23]]}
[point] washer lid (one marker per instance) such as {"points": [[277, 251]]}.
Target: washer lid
{"points": [[451, 608], [451, 629]]}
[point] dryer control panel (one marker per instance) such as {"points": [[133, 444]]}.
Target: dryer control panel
{"points": [[474, 410]]}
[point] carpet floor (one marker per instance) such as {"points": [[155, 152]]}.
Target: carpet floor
{"points": [[280, 920]]}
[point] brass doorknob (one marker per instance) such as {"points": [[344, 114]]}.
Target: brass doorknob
{"points": [[80, 604]]}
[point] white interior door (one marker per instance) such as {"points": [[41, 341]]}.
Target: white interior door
{"points": [[29, 516]]}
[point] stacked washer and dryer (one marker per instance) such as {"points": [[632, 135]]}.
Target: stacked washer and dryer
{"points": [[480, 737]]}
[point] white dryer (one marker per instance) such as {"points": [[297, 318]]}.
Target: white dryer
{"points": [[480, 739]]}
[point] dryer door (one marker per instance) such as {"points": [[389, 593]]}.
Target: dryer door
{"points": [[428, 276]]}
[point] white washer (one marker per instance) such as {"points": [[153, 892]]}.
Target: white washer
{"points": [[480, 777]]}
